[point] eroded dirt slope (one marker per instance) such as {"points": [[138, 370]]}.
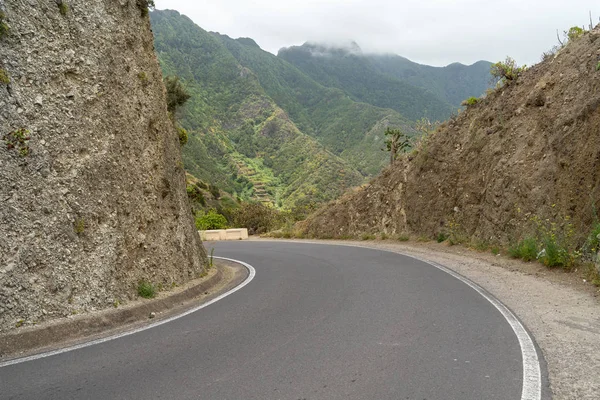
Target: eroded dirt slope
{"points": [[528, 149]]}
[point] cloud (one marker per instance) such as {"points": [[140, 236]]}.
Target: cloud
{"points": [[435, 32]]}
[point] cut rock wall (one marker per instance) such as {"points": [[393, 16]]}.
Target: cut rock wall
{"points": [[99, 203]]}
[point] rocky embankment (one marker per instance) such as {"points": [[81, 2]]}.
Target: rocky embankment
{"points": [[92, 185]]}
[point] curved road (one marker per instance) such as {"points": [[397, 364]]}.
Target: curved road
{"points": [[317, 322]]}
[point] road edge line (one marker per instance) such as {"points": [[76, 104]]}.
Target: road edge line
{"points": [[532, 374], [249, 278]]}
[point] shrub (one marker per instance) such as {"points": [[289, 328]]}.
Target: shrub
{"points": [[575, 33], [558, 247], [256, 217], [183, 135], [211, 220], [526, 249], [146, 289], [507, 71], [4, 78], [403, 238], [598, 66], [592, 244], [3, 27], [145, 6], [214, 190], [177, 94], [471, 101]]}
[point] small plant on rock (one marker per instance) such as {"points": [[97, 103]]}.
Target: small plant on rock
{"points": [[471, 101], [63, 7], [79, 226], [3, 27], [146, 289], [18, 140], [4, 78], [183, 135], [143, 77]]}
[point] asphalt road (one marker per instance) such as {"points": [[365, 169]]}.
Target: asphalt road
{"points": [[317, 322]]}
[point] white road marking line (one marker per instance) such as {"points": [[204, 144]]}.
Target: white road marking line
{"points": [[532, 375], [251, 275]]}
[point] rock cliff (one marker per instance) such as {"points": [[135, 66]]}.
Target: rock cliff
{"points": [[92, 186]]}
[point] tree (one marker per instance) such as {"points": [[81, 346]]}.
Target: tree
{"points": [[396, 142], [177, 94]]}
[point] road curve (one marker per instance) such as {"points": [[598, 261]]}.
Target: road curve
{"points": [[317, 322]]}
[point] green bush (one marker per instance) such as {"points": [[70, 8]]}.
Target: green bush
{"points": [[526, 249], [575, 33], [177, 94], [507, 71], [183, 135], [146, 289], [441, 237], [471, 101], [257, 218], [598, 66], [211, 220]]}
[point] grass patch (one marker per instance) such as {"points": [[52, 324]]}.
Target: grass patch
{"points": [[367, 236], [146, 289], [441, 237], [403, 238], [495, 250], [79, 226], [4, 78], [527, 249]]}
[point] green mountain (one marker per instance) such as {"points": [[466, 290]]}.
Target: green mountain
{"points": [[453, 83], [350, 129], [239, 138], [392, 81], [301, 127]]}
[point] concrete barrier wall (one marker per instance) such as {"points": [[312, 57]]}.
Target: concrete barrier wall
{"points": [[224, 234]]}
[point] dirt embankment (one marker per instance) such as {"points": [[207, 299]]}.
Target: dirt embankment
{"points": [[531, 148], [92, 185]]}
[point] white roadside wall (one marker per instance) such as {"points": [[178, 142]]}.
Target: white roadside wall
{"points": [[224, 234]]}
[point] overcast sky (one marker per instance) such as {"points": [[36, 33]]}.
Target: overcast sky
{"points": [[434, 32]]}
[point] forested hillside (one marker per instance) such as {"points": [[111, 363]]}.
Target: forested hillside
{"points": [[350, 129], [239, 138], [264, 129], [389, 80]]}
